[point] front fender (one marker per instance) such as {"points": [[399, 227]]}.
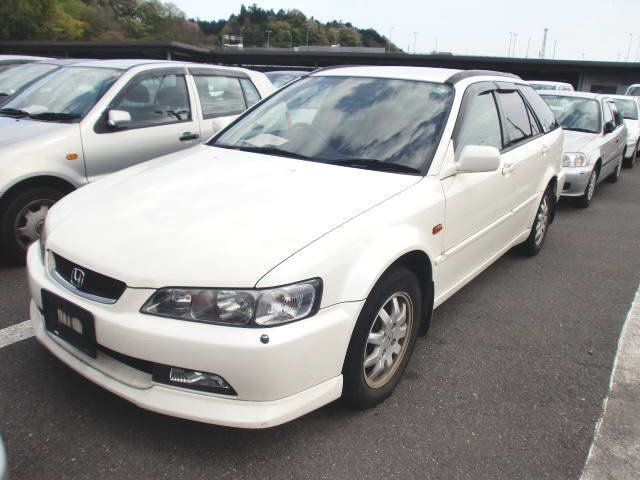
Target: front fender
{"points": [[351, 258]]}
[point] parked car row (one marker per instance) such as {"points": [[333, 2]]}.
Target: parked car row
{"points": [[249, 269]]}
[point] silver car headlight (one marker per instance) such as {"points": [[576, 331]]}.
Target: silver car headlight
{"points": [[241, 308], [574, 160]]}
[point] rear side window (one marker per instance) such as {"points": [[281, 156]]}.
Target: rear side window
{"points": [[541, 109], [480, 125], [251, 95], [517, 125], [219, 96], [617, 116]]}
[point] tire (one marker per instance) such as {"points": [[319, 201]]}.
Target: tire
{"points": [[362, 387], [631, 162], [585, 199], [15, 214], [535, 241], [615, 176]]}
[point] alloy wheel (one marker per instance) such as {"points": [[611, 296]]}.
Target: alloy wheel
{"points": [[592, 185], [388, 339], [542, 221], [30, 221]]}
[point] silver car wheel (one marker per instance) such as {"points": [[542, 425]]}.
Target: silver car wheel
{"points": [[30, 221], [542, 221], [388, 339], [592, 185]]}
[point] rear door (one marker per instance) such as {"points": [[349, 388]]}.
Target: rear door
{"points": [[222, 96], [162, 122], [523, 162], [610, 141]]}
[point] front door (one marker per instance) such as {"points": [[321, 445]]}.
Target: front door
{"points": [[162, 122]]}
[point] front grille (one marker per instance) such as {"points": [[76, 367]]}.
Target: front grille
{"points": [[93, 283]]}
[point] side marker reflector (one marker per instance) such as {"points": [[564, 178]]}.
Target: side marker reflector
{"points": [[437, 229]]}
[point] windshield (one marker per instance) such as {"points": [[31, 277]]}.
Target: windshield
{"points": [[281, 79], [634, 91], [575, 113], [542, 86], [17, 78], [69, 93], [351, 121], [628, 108]]}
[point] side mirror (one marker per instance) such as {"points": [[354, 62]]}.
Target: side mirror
{"points": [[477, 158], [609, 127], [118, 118]]}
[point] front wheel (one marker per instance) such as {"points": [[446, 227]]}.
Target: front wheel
{"points": [[631, 161], [22, 220], [584, 200], [383, 339], [534, 242], [615, 176]]}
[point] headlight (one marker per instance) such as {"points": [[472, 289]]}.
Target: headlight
{"points": [[243, 308], [574, 160]]}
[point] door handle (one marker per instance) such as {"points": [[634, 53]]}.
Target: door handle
{"points": [[189, 136], [508, 168]]}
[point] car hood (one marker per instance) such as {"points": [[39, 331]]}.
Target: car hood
{"points": [[16, 130], [577, 141], [210, 216]]}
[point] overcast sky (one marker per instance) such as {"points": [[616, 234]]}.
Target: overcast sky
{"points": [[599, 29]]}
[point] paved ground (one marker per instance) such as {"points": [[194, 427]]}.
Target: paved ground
{"points": [[508, 385]]}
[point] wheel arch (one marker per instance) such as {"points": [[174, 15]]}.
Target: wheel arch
{"points": [[419, 263], [50, 181]]}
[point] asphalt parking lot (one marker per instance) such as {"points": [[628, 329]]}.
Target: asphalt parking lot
{"points": [[507, 385]]}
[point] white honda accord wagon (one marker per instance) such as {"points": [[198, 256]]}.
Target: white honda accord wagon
{"points": [[295, 258]]}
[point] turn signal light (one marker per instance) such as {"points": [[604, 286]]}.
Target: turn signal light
{"points": [[72, 156]]}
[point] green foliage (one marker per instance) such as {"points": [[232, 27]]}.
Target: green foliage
{"points": [[157, 20]]}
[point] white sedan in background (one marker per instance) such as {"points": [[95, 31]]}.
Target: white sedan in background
{"points": [[296, 258], [630, 109]]}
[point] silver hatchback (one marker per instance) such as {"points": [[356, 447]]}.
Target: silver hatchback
{"points": [[93, 118], [594, 141]]}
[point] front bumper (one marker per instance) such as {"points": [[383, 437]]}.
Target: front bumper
{"points": [[576, 181], [298, 371]]}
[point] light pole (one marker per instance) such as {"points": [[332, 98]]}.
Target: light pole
{"points": [[528, 45], [268, 38], [415, 36], [629, 49], [515, 43], [290, 40], [436, 51], [510, 40], [389, 39], [307, 34], [555, 48]]}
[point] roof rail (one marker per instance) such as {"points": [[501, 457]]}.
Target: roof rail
{"points": [[457, 77]]}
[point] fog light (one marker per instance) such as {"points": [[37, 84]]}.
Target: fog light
{"points": [[192, 379]]}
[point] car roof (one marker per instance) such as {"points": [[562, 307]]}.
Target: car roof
{"points": [[425, 74], [563, 93], [547, 82], [62, 61], [622, 97], [289, 72], [9, 58], [127, 64]]}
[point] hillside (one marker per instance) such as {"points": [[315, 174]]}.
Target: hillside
{"points": [[156, 20]]}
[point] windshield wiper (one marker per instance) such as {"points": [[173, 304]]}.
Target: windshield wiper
{"points": [[2, 94], [13, 112], [54, 116], [266, 150], [371, 164]]}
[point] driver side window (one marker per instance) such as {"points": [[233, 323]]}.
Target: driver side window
{"points": [[155, 100], [480, 125]]}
